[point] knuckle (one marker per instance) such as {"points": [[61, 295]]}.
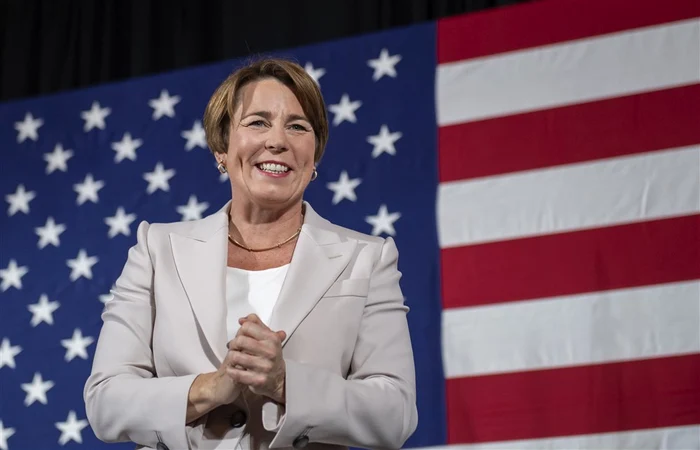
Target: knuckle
{"points": [[269, 348], [241, 342]]}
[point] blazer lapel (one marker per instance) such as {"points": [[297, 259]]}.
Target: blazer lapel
{"points": [[200, 258], [319, 258]]}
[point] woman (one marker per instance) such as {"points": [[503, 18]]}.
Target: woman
{"points": [[262, 325]]}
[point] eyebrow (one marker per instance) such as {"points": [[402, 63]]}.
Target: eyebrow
{"points": [[268, 116]]}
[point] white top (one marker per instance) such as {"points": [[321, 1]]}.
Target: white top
{"points": [[247, 291], [251, 291]]}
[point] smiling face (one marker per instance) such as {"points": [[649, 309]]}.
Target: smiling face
{"points": [[270, 156]]}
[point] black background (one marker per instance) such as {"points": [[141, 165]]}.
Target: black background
{"points": [[52, 45]]}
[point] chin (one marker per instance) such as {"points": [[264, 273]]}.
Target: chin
{"points": [[273, 197]]}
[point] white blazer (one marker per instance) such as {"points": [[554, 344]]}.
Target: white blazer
{"points": [[350, 372]]}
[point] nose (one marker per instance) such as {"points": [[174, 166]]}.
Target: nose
{"points": [[276, 139]]}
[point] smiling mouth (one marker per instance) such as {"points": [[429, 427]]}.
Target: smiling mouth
{"points": [[273, 168]]}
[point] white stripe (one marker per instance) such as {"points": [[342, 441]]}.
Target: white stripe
{"points": [[672, 438], [571, 197], [589, 69], [620, 325]]}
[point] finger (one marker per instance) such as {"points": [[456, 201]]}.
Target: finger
{"points": [[256, 331], [246, 377], [281, 334], [244, 344], [245, 361], [265, 349]]}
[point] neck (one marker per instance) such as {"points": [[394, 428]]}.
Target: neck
{"points": [[261, 227]]}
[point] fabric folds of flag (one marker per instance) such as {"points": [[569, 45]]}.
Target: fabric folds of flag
{"points": [[569, 226]]}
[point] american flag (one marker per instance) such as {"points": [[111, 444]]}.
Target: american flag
{"points": [[538, 166]]}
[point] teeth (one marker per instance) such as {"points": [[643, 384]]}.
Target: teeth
{"points": [[271, 167]]}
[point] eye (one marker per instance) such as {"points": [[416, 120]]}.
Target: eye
{"points": [[299, 127], [256, 123]]}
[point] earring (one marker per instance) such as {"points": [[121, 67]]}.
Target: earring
{"points": [[221, 167], [314, 174]]}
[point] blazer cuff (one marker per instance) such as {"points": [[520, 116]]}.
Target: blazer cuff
{"points": [[174, 434], [143, 411], [273, 416], [171, 428], [304, 392]]}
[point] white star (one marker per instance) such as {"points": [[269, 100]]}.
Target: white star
{"points": [[119, 223], [344, 188], [76, 345], [384, 141], [43, 310], [49, 233], [345, 110], [384, 65], [71, 429], [126, 148], [12, 276], [36, 390], [192, 210], [196, 137], [95, 117], [8, 353], [19, 201], [316, 74], [57, 159], [383, 222], [159, 178], [164, 105], [5, 434], [87, 190], [28, 128], [81, 266]]}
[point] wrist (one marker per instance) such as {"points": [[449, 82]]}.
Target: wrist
{"points": [[209, 389], [202, 393], [200, 399], [279, 396]]}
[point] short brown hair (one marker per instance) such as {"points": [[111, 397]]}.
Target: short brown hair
{"points": [[219, 110]]}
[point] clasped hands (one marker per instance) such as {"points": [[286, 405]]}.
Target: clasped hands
{"points": [[254, 359]]}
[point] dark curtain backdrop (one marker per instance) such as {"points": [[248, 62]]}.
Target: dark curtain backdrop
{"points": [[52, 45]]}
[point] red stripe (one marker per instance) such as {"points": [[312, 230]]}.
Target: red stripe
{"points": [[639, 254], [583, 132], [548, 22], [662, 392]]}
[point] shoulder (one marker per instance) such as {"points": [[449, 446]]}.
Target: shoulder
{"points": [[324, 228], [200, 229], [378, 246], [381, 250], [350, 234]]}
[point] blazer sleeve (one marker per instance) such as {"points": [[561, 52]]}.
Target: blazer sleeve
{"points": [[375, 406], [125, 399]]}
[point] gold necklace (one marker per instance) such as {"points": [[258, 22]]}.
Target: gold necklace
{"points": [[236, 243]]}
